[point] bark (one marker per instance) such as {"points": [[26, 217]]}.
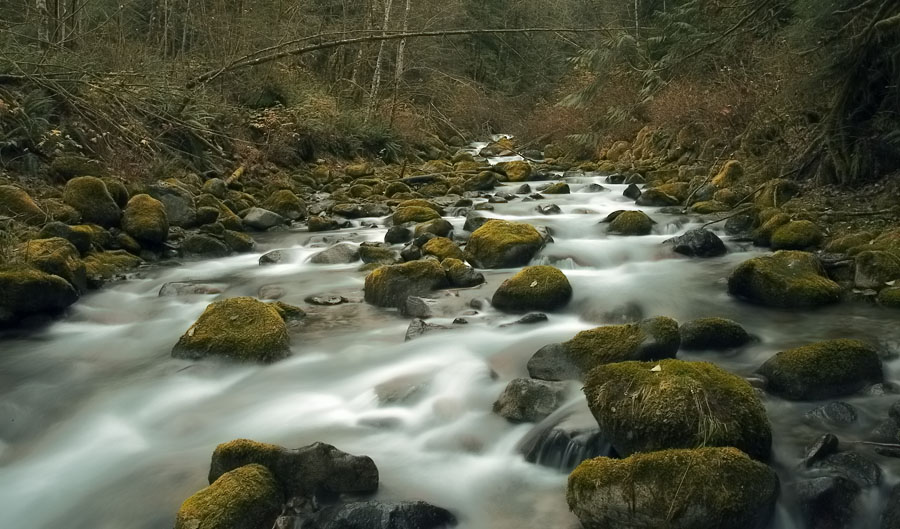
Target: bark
{"points": [[379, 61]]}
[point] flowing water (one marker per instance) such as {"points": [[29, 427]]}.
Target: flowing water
{"points": [[102, 429]]}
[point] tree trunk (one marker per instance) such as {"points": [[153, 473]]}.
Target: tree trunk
{"points": [[376, 76], [401, 49], [44, 26]]}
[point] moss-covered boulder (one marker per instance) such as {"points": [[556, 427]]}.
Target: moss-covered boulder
{"points": [[27, 291], [421, 203], [117, 190], [439, 227], [389, 286], [503, 244], [105, 266], [776, 193], [730, 175], [651, 339], [708, 207], [287, 204], [460, 274], [396, 188], [844, 243], [81, 239], [770, 221], [705, 488], [559, 188], [442, 248], [18, 204], [630, 223], [145, 219], [786, 279], [242, 329], [359, 170], [55, 256], [713, 334], [822, 370], [890, 297], [245, 498], [797, 235], [517, 171], [303, 472], [89, 196], [541, 288], [483, 181], [875, 269], [649, 406], [402, 215], [656, 198]]}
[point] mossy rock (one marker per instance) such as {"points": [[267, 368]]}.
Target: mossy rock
{"points": [[67, 167], [242, 329], [771, 220], [503, 244], [145, 219], [713, 334], [245, 498], [55, 256], [845, 243], [497, 148], [651, 339], [460, 274], [890, 297], [396, 188], [439, 227], [708, 207], [786, 279], [656, 198], [27, 291], [359, 170], [517, 171], [875, 269], [728, 196], [389, 286], [421, 203], [215, 187], [631, 223], [776, 193], [483, 181], [797, 235], [559, 188], [403, 215], [238, 242], [679, 190], [62, 212], [117, 190], [18, 204], [703, 488], [822, 370], [360, 191], [105, 266], [886, 242], [287, 204], [80, 239], [316, 223], [730, 175], [89, 196], [442, 248], [649, 406], [541, 288]]}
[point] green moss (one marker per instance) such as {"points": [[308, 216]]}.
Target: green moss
{"points": [[503, 244], [420, 203], [359, 170], [845, 243], [403, 215], [104, 266], [890, 297], [89, 196], [651, 339], [559, 188], [822, 370], [395, 188], [680, 405], [55, 256], [245, 498], [875, 269], [730, 175], [117, 190], [442, 248], [517, 171], [360, 191], [631, 223], [708, 207], [389, 286], [29, 291], [16, 203], [762, 235], [242, 452], [712, 333], [543, 288], [786, 279], [797, 235], [705, 488], [287, 204], [145, 219], [241, 329]]}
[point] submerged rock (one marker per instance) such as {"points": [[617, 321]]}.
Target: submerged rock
{"points": [[827, 501], [503, 244], [245, 498], [383, 515], [705, 488], [542, 288], [242, 329], [786, 279], [530, 400]]}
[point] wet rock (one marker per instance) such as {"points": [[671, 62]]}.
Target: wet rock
{"points": [[615, 178], [629, 223], [215, 187], [55, 256], [415, 307], [389, 286], [245, 498], [542, 288], [28, 292], [739, 225], [786, 279], [474, 220], [529, 400], [890, 297], [411, 252], [341, 253], [262, 219], [437, 227], [403, 389], [632, 191], [516, 171], [483, 181], [107, 266], [822, 447], [523, 189], [317, 223], [529, 319], [827, 502], [80, 239], [279, 257], [549, 209], [416, 214], [241, 329], [383, 515], [853, 466], [712, 334], [623, 395], [822, 370], [890, 518], [419, 327], [398, 235], [699, 242], [595, 188], [656, 198], [887, 431], [461, 275], [835, 413], [564, 443], [651, 339], [185, 288], [380, 253], [706, 488], [326, 301], [204, 245], [238, 241], [797, 235], [559, 188], [89, 196], [145, 219], [503, 244], [442, 248], [303, 472]]}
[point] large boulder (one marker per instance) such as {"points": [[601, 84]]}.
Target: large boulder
{"points": [[340, 253], [27, 292], [285, 203], [822, 370], [105, 266], [302, 472], [516, 171], [503, 244], [375, 514], [242, 329], [412, 213], [651, 339], [262, 219], [786, 279], [181, 208], [705, 488], [648, 406], [629, 223], [389, 286], [18, 204], [797, 235], [89, 196], [530, 400], [245, 498], [442, 248], [145, 219], [55, 256], [713, 334], [699, 242], [542, 288]]}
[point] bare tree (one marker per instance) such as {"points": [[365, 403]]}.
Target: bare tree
{"points": [[376, 76]]}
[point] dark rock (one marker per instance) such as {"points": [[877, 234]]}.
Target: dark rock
{"points": [[887, 431], [398, 235], [632, 191], [615, 178], [712, 334], [827, 502], [890, 518], [389, 286], [410, 253], [80, 239], [528, 319], [338, 254], [565, 440], [853, 466], [185, 288], [699, 242], [835, 413], [549, 209], [181, 209], [821, 448], [382, 515], [279, 257], [524, 189], [655, 198], [474, 221], [739, 225], [262, 219], [380, 253], [319, 223], [419, 327], [204, 245], [461, 275], [415, 307], [325, 300], [530, 400], [28, 292], [595, 188]]}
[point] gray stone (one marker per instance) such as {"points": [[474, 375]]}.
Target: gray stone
{"points": [[529, 400]]}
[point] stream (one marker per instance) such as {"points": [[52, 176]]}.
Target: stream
{"points": [[102, 429]]}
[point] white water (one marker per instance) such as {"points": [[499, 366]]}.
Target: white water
{"points": [[102, 429]]}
